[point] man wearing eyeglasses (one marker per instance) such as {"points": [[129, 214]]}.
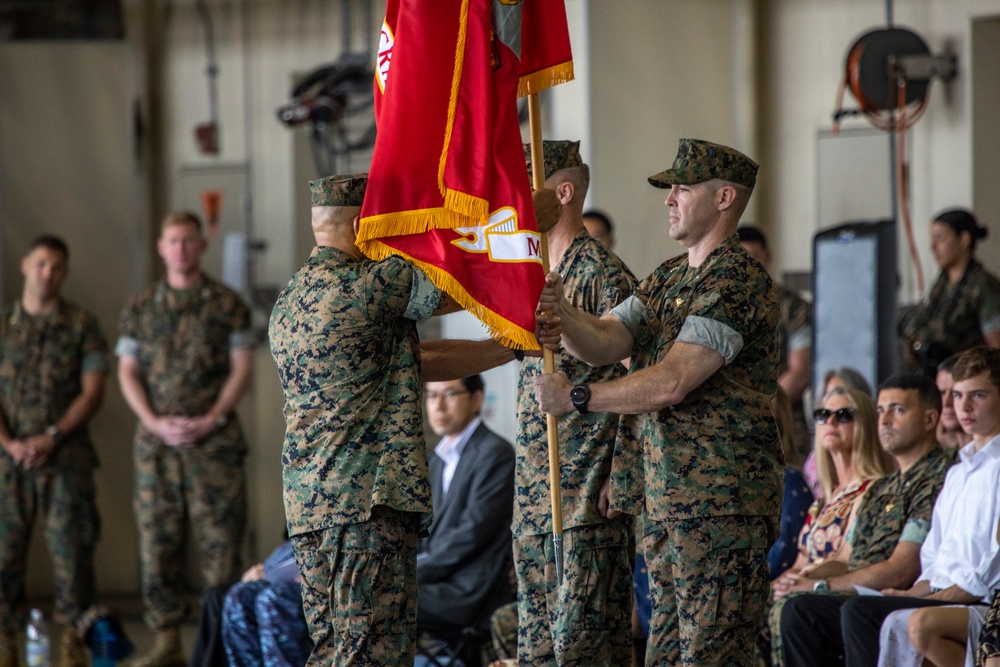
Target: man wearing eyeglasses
{"points": [[891, 525], [701, 332], [463, 566]]}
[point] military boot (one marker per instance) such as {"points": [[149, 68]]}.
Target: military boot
{"points": [[8, 650], [166, 651], [71, 651]]}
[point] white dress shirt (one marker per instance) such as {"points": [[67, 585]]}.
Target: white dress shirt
{"points": [[961, 548], [450, 450]]}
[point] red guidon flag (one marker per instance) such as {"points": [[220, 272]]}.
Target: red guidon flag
{"points": [[447, 188]]}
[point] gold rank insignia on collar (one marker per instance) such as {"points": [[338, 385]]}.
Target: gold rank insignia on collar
{"points": [[678, 301], [888, 508]]}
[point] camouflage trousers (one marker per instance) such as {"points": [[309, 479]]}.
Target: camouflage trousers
{"points": [[709, 584], [263, 624], [503, 631], [359, 584], [64, 502], [204, 487], [586, 620], [989, 636]]}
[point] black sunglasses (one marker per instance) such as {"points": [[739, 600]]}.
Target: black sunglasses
{"points": [[842, 416]]}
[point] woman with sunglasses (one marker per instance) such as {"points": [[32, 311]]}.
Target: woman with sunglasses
{"points": [[848, 458]]}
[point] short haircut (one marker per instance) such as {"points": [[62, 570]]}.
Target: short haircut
{"points": [[49, 242], [474, 383], [927, 391], [601, 217], [181, 218], [579, 176], [977, 361], [948, 365], [751, 234]]}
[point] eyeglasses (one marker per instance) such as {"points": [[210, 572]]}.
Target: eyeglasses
{"points": [[449, 395], [841, 416]]}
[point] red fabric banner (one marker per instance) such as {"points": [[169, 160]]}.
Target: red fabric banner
{"points": [[448, 188], [546, 58]]}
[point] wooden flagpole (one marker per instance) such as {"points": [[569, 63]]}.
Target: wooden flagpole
{"points": [[548, 359]]}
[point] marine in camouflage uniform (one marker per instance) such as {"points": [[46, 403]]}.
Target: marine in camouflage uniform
{"points": [[954, 318], [354, 462], [587, 619], [53, 365], [701, 332], [185, 358]]}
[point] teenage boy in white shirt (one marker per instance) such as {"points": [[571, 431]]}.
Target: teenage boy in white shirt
{"points": [[959, 564]]}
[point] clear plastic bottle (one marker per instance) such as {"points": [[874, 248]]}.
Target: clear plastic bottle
{"points": [[104, 644], [37, 645]]}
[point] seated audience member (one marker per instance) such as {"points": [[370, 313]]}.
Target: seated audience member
{"points": [[836, 377], [797, 497], [959, 557], [950, 434], [891, 525], [848, 459], [234, 606], [262, 618], [988, 654], [464, 565], [503, 633]]}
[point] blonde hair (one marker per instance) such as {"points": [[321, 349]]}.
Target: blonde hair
{"points": [[868, 459]]}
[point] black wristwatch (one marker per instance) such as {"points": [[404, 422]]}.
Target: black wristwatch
{"points": [[580, 396]]}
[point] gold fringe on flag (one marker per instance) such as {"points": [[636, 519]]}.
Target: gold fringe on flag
{"points": [[545, 78], [404, 223], [501, 329], [464, 204]]}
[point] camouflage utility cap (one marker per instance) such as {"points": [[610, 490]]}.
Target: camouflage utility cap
{"points": [[342, 190], [556, 155], [698, 161]]}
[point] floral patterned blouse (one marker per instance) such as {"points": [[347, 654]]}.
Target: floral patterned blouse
{"points": [[825, 531]]}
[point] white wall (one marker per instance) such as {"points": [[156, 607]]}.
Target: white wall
{"points": [[802, 45], [68, 167], [659, 71]]}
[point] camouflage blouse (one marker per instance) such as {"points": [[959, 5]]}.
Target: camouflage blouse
{"points": [[898, 508], [954, 317], [42, 362], [596, 280], [344, 338], [182, 340], [716, 452]]}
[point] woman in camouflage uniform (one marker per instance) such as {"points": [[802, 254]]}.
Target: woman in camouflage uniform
{"points": [[962, 309]]}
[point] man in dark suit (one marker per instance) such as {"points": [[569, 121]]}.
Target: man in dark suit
{"points": [[463, 566]]}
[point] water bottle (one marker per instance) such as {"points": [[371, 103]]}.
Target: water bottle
{"points": [[104, 644], [37, 646]]}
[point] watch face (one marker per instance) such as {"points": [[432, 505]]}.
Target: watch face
{"points": [[579, 395]]}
